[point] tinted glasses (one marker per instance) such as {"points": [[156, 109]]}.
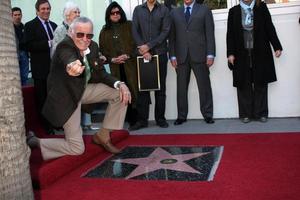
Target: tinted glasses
{"points": [[115, 13], [87, 35]]}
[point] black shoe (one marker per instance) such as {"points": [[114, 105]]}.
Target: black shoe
{"points": [[137, 126], [263, 119], [179, 121], [162, 124], [209, 120], [245, 120]]}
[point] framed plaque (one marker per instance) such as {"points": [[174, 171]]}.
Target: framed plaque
{"points": [[148, 73]]}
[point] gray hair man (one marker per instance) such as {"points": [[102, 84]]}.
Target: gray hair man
{"points": [[77, 77]]}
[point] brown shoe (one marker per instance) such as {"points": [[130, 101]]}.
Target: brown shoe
{"points": [[107, 145]]}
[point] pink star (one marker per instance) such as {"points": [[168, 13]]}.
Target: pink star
{"points": [[161, 159]]}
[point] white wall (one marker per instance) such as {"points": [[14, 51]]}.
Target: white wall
{"points": [[284, 95], [94, 9]]}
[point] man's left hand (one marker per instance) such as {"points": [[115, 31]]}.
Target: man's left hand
{"points": [[143, 49], [278, 53], [209, 62], [125, 94]]}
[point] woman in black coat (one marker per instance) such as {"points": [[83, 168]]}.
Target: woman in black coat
{"points": [[250, 32]]}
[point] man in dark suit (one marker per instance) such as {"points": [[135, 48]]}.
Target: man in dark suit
{"points": [[38, 34], [150, 29], [77, 77], [192, 46]]}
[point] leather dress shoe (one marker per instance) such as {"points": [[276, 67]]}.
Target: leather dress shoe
{"points": [[263, 119], [209, 120], [138, 125], [245, 120], [179, 121], [162, 124], [107, 145]]}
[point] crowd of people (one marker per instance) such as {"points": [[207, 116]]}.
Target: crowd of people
{"points": [[69, 77]]}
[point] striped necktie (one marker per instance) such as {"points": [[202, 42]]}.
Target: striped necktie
{"points": [[87, 70], [49, 30]]}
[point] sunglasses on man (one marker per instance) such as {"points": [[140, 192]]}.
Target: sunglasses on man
{"points": [[87, 35]]}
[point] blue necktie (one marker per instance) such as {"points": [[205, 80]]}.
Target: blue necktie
{"points": [[187, 13]]}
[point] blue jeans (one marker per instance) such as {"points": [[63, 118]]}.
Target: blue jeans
{"points": [[86, 119], [24, 66]]}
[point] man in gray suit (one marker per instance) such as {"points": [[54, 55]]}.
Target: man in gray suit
{"points": [[192, 46]]}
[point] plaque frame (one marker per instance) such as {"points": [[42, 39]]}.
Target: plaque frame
{"points": [[148, 74]]}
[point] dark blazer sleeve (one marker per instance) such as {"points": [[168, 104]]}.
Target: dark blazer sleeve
{"points": [[230, 42], [210, 33], [172, 35], [271, 31], [67, 53]]}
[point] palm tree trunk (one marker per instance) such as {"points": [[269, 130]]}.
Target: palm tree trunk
{"points": [[15, 181]]}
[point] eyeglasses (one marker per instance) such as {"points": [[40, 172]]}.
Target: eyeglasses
{"points": [[115, 13], [87, 35]]}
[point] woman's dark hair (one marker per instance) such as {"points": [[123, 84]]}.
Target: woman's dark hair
{"points": [[108, 22]]}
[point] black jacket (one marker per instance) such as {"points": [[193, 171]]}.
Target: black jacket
{"points": [[65, 91], [264, 35], [151, 28], [36, 42]]}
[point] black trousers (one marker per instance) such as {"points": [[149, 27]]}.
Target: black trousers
{"points": [[144, 99], [253, 101], [201, 72], [40, 90], [252, 98]]}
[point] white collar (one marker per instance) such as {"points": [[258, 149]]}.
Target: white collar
{"points": [[43, 21], [191, 5], [86, 52]]}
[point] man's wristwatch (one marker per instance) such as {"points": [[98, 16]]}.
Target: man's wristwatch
{"points": [[119, 84]]}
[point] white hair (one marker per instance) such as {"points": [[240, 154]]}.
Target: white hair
{"points": [[69, 7], [77, 21]]}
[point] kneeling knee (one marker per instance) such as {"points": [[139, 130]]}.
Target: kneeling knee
{"points": [[115, 97], [78, 149]]}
